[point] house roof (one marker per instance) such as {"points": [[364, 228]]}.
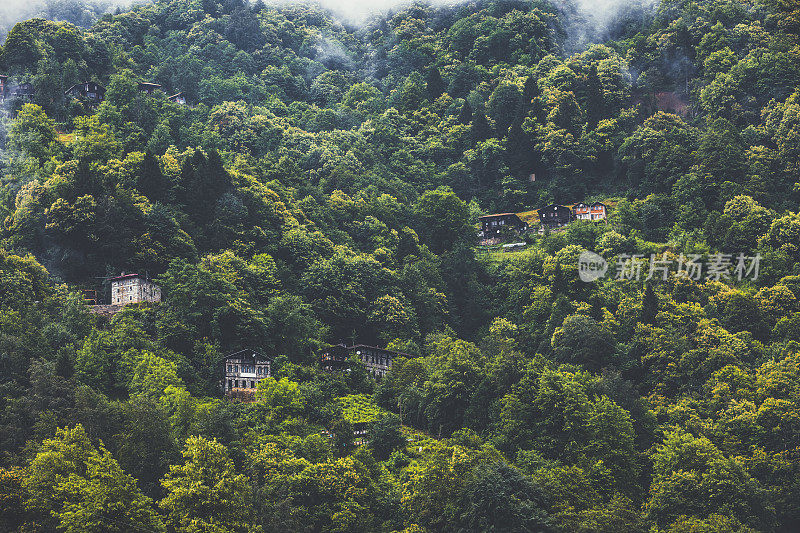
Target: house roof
{"points": [[174, 96], [85, 83], [533, 215], [247, 352], [554, 206], [355, 346], [148, 84], [497, 215], [126, 276]]}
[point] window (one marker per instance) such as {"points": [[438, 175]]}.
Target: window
{"points": [[252, 384], [230, 384]]}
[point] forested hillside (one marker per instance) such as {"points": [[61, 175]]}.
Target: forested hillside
{"points": [[322, 185]]}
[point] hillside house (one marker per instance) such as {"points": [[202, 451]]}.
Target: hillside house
{"points": [[555, 216], [148, 88], [581, 211], [177, 99], [594, 212], [243, 371], [133, 288], [92, 92], [23, 91], [493, 225], [598, 211], [378, 361]]}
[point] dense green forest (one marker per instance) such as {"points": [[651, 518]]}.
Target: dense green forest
{"points": [[323, 185]]}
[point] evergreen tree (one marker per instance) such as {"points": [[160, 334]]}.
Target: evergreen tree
{"points": [[530, 97], [649, 305], [521, 150], [434, 83], [480, 127], [465, 115], [152, 182], [595, 102]]}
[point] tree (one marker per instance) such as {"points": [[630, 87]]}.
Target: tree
{"points": [[107, 500], [691, 477], [465, 114], [584, 341], [595, 103], [84, 489], [205, 494], [480, 126], [649, 305], [444, 219], [147, 443], [434, 83], [12, 498], [151, 182], [504, 106], [503, 499], [385, 436], [152, 375], [436, 494], [33, 134]]}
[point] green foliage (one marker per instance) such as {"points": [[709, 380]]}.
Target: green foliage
{"points": [[323, 185], [84, 489], [205, 493], [358, 408]]}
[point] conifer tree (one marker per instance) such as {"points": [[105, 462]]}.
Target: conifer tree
{"points": [[434, 83], [649, 305], [595, 104]]}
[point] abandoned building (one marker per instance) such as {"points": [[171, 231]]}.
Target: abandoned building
{"points": [[494, 225], [242, 372], [594, 212], [177, 99], [133, 288], [23, 91], [378, 361], [555, 216], [148, 88], [92, 92]]}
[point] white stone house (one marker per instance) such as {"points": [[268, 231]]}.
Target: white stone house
{"points": [[133, 288]]}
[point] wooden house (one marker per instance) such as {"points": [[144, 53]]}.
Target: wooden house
{"points": [[580, 211], [493, 225], [23, 91], [598, 211], [242, 372], [92, 92], [378, 361], [148, 88], [555, 216], [594, 212]]}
